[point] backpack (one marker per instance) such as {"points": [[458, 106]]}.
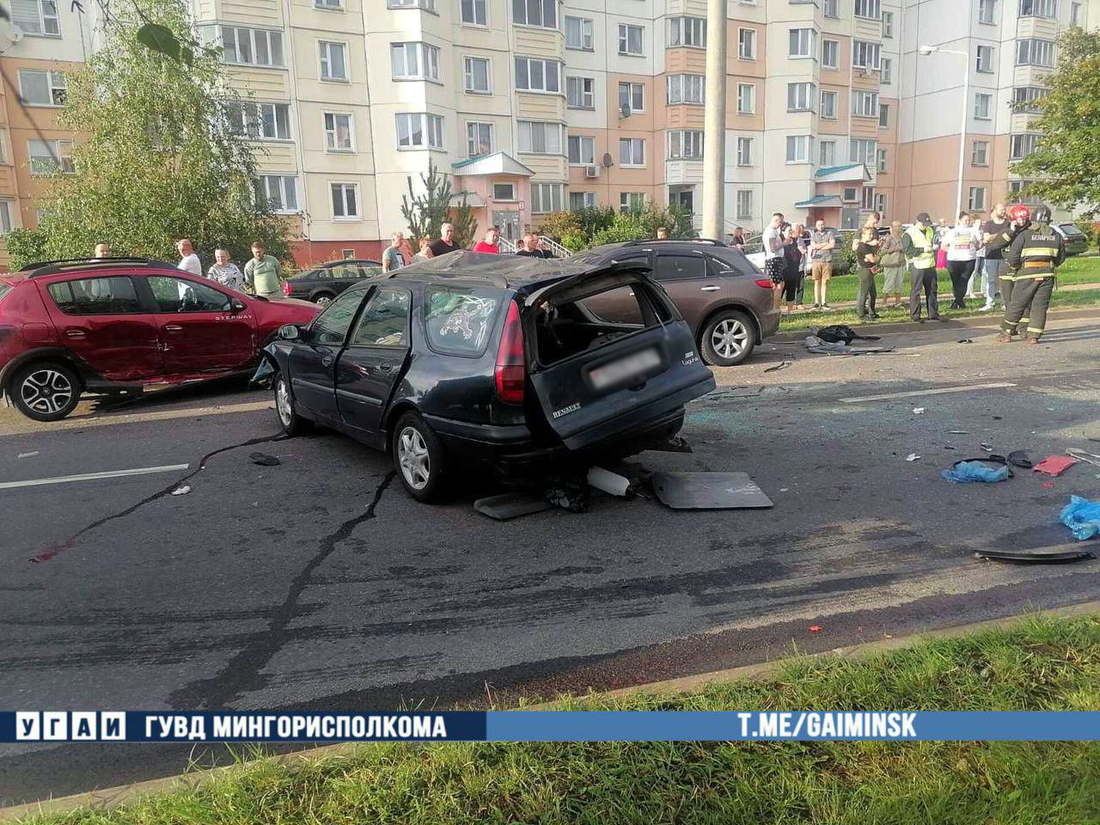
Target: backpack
{"points": [[842, 334]]}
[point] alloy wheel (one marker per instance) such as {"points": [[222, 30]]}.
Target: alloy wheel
{"points": [[729, 338], [412, 458], [323, 301], [282, 403], [46, 391]]}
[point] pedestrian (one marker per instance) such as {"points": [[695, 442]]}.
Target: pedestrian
{"points": [[263, 273], [392, 256], [490, 245], [224, 271], [446, 242], [792, 266], [892, 261], [189, 261], [872, 222], [939, 230], [920, 251], [867, 267], [102, 250], [979, 258], [993, 265], [406, 250], [807, 265], [530, 247], [1036, 252], [774, 263], [662, 233], [960, 243], [738, 237], [822, 246], [425, 250]]}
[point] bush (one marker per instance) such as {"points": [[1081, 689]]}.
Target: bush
{"points": [[26, 246], [1090, 228], [844, 257], [627, 227]]}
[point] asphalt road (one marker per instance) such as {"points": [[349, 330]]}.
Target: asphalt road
{"points": [[319, 584]]}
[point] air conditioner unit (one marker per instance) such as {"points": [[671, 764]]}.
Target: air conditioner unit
{"points": [[591, 171]]}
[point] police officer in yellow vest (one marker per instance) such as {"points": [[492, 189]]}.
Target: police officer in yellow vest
{"points": [[1034, 254], [920, 252]]}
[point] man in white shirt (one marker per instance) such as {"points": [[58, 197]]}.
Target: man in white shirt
{"points": [[189, 261]]}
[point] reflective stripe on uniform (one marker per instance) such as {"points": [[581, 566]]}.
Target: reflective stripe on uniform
{"points": [[1035, 330], [1038, 252]]}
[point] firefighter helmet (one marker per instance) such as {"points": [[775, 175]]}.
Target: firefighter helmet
{"points": [[1042, 214]]}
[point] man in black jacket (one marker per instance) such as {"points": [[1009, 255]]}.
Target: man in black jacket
{"points": [[1034, 253]]}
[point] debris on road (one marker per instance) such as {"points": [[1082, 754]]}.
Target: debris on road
{"points": [[27, 455], [987, 447], [510, 505], [1037, 554], [912, 457], [569, 494], [975, 470], [676, 444], [1088, 458], [843, 334], [819, 346], [608, 482], [264, 459], [958, 432], [181, 491], [815, 628], [966, 341], [918, 410], [1082, 517], [1020, 458], [708, 491], [1054, 465], [781, 365]]}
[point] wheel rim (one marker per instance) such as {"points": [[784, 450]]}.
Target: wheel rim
{"points": [[282, 402], [412, 458], [46, 391], [324, 301], [730, 337]]}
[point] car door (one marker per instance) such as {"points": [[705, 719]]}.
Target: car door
{"points": [[103, 322], [374, 359], [689, 282], [313, 359], [200, 330]]}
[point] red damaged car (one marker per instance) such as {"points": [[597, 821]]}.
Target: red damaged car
{"points": [[113, 325]]}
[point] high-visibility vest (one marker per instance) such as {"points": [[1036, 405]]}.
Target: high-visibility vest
{"points": [[925, 258]]}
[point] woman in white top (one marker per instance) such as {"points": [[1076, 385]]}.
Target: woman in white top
{"points": [[225, 272], [961, 243]]}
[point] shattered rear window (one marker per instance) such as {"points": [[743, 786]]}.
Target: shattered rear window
{"points": [[459, 319]]}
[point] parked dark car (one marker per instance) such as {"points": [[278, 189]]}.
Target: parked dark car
{"points": [[725, 299], [323, 283], [493, 361], [112, 325], [1077, 242]]}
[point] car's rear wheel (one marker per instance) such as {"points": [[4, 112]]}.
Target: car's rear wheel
{"points": [[292, 423], [46, 391], [420, 459], [323, 299], [728, 339]]}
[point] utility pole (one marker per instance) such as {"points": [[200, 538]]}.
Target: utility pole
{"points": [[714, 125]]}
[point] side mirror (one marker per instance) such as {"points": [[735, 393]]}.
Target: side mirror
{"points": [[288, 332], [236, 305]]}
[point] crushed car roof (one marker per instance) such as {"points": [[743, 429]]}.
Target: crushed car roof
{"points": [[515, 271]]}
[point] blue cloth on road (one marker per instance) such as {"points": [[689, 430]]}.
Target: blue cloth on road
{"points": [[1082, 517], [969, 471]]}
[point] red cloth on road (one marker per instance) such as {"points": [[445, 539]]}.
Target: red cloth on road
{"points": [[1054, 465]]}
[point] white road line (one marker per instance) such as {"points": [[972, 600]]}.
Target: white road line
{"points": [[140, 471], [917, 393]]}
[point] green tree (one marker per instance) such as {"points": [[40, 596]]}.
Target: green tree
{"points": [[426, 212], [1066, 164]]}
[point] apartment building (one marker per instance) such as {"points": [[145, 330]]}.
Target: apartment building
{"points": [[534, 106]]}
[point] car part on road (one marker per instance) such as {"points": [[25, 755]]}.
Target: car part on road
{"points": [[676, 444], [840, 333], [912, 457], [820, 347], [1039, 554], [264, 460], [568, 493], [45, 391], [918, 410], [1081, 455], [727, 339], [419, 458], [510, 505], [1054, 465], [708, 491], [1082, 517], [780, 366], [971, 470], [608, 482], [1019, 458], [182, 491]]}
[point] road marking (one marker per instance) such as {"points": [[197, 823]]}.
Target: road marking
{"points": [[139, 471], [917, 393]]}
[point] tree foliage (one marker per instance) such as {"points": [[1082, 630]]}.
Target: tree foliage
{"points": [[1066, 164], [426, 212], [597, 225]]}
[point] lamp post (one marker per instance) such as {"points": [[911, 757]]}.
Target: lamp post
{"points": [[714, 124], [928, 50]]}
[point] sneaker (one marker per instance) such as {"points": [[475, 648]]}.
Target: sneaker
{"points": [[826, 306], [874, 316], [816, 306], [986, 308]]}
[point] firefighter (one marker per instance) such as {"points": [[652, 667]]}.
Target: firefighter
{"points": [[1035, 253], [1019, 217]]}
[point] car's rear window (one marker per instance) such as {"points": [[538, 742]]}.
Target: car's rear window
{"points": [[4, 290], [459, 319]]}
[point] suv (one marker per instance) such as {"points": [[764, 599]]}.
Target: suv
{"points": [[112, 325], [725, 299], [499, 361]]}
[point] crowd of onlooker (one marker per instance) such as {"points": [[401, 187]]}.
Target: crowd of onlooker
{"points": [[399, 253]]}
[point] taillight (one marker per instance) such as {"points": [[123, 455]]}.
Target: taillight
{"points": [[764, 283], [511, 371], [286, 288]]}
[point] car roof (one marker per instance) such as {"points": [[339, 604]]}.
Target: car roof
{"points": [[78, 265]]}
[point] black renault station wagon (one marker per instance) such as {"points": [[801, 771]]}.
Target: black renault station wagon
{"points": [[491, 360]]}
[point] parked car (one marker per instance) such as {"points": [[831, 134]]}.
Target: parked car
{"points": [[724, 297], [1077, 242], [490, 361], [323, 283], [113, 325]]}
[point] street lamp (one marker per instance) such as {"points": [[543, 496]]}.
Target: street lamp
{"points": [[925, 51]]}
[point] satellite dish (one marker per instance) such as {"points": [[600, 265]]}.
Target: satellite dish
{"points": [[625, 110], [16, 33], [608, 162]]}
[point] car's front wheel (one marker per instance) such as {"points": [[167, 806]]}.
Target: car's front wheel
{"points": [[46, 391], [728, 339], [419, 457], [292, 423]]}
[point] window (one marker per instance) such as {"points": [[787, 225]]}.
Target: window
{"points": [[479, 139], [886, 70], [983, 105], [850, 194], [864, 104], [746, 98], [881, 161], [6, 224], [542, 13], [474, 12], [800, 97], [1034, 52], [632, 95], [863, 151], [582, 150], [827, 153], [630, 38], [799, 148], [880, 203], [581, 200], [1038, 8], [476, 74], [259, 121], [681, 267], [385, 321], [50, 156], [987, 11], [345, 201], [1017, 191], [42, 88], [830, 8], [333, 5], [976, 201], [1075, 14], [631, 152], [546, 197], [36, 17], [865, 55], [280, 192], [887, 24], [580, 92], [96, 296], [687, 31], [331, 326], [414, 61], [686, 144], [830, 54], [984, 59], [979, 156], [802, 42], [256, 47], [867, 198], [338, 131], [504, 191], [177, 295], [537, 75], [746, 44], [884, 116], [540, 138], [334, 66], [868, 8], [685, 88], [631, 201], [829, 104], [744, 151], [1026, 98], [419, 131], [744, 204], [1020, 146], [427, 5], [578, 33]]}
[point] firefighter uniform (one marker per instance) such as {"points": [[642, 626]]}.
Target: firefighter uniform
{"points": [[1007, 279], [1034, 255]]}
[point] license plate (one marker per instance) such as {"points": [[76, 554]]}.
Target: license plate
{"points": [[624, 368]]}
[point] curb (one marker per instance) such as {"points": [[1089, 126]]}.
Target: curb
{"points": [[111, 797]]}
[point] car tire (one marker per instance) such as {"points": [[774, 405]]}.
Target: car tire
{"points": [[323, 299], [727, 339], [291, 423], [419, 458], [45, 391]]}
